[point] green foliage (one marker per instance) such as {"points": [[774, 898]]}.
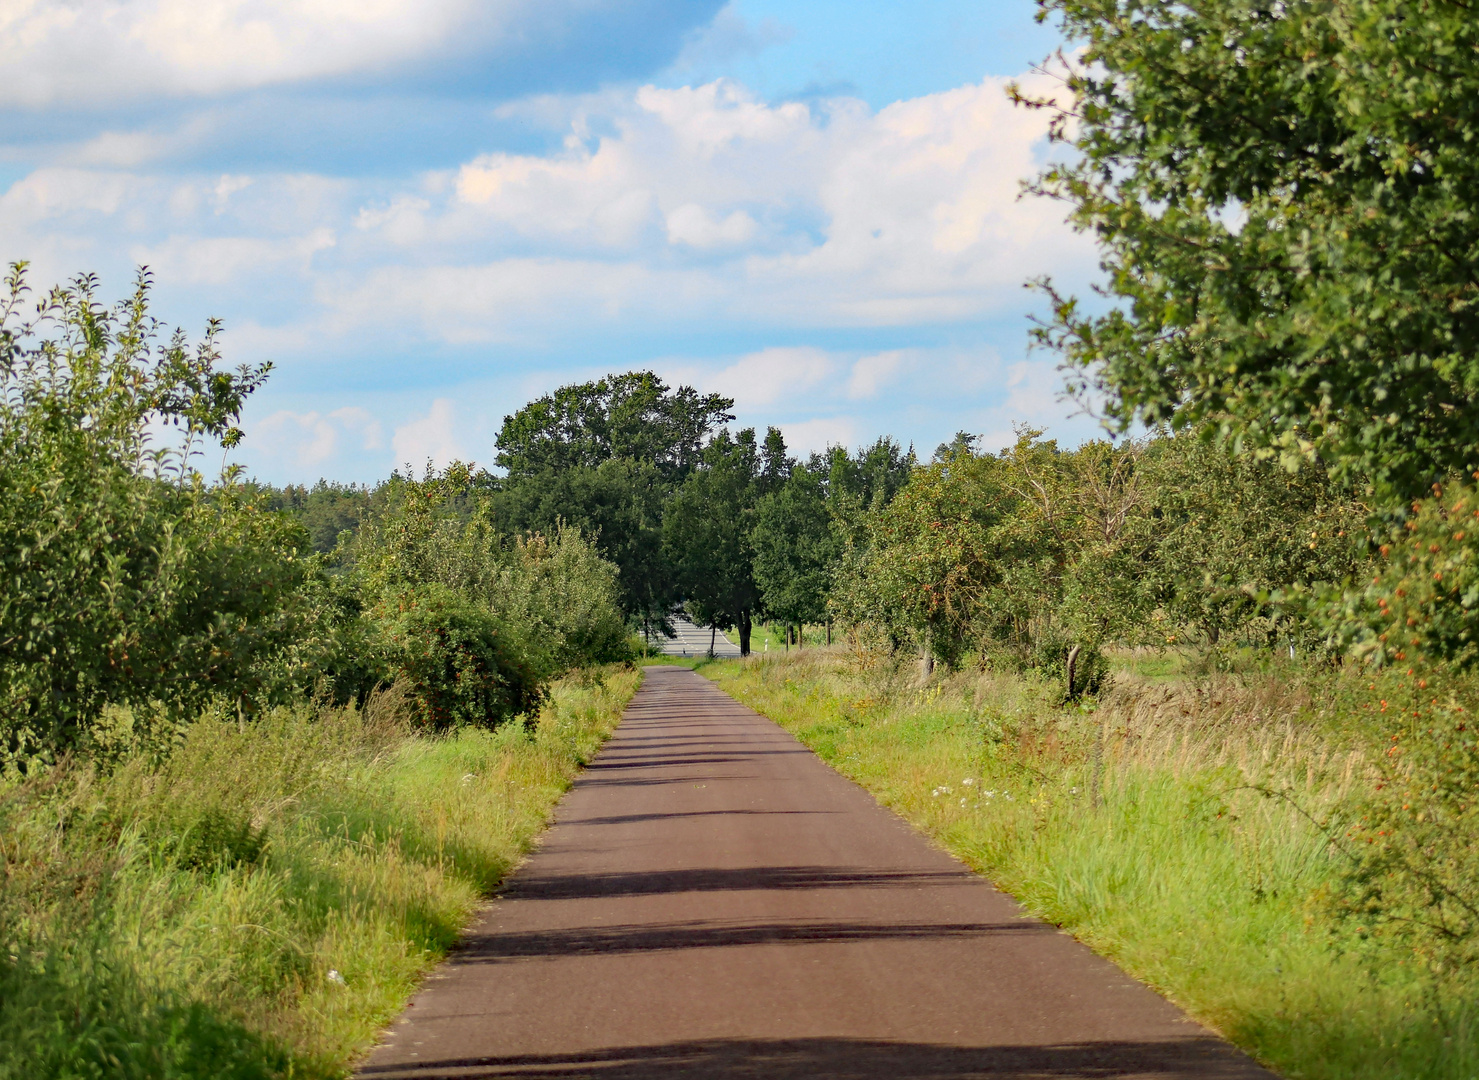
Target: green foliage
{"points": [[1039, 554], [476, 621], [1285, 199], [326, 509], [181, 917], [127, 580], [1415, 872], [1422, 602], [1032, 550], [619, 505], [632, 416], [797, 548], [454, 659], [707, 530], [1232, 531], [605, 457]]}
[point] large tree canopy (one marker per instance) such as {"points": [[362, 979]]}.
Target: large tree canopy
{"points": [[632, 416], [1286, 196]]}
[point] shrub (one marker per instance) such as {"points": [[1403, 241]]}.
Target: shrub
{"points": [[1414, 840], [126, 578], [459, 666]]}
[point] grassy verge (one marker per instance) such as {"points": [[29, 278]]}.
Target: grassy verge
{"points": [[1178, 829], [263, 900]]}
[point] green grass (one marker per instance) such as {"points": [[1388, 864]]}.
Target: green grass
{"points": [[262, 901], [1171, 830]]}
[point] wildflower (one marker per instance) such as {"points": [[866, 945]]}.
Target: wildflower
{"points": [[967, 781], [469, 778], [335, 978]]}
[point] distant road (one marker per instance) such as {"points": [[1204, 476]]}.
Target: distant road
{"points": [[715, 903], [693, 640]]}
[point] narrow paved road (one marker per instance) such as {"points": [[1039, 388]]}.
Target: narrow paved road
{"points": [[714, 901], [693, 640]]}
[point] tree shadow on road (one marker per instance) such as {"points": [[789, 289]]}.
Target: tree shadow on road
{"points": [[853, 1059]]}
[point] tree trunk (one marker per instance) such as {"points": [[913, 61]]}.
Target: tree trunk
{"points": [[926, 666], [1070, 666], [744, 633], [829, 631], [799, 628]]}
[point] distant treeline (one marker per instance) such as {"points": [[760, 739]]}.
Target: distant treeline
{"points": [[1033, 555], [726, 524]]}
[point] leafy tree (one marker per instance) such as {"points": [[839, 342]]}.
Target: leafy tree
{"points": [[1421, 600], [453, 656], [326, 509], [797, 549], [619, 504], [1286, 198], [1231, 532], [553, 600], [866, 481], [1033, 552], [707, 530], [632, 416], [126, 579], [605, 456]]}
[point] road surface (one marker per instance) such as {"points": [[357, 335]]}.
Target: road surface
{"points": [[713, 901], [693, 640]]}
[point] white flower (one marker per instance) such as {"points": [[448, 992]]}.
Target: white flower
{"points": [[335, 978], [469, 777], [967, 781]]}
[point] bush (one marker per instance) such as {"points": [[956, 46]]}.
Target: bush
{"points": [[459, 666], [1414, 837], [126, 579]]}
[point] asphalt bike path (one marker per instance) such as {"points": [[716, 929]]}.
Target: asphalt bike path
{"points": [[713, 900]]}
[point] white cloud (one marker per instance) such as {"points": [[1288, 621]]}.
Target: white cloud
{"points": [[223, 260], [691, 224], [829, 215], [430, 438], [872, 373], [299, 443], [814, 436], [772, 376], [727, 36], [106, 50]]}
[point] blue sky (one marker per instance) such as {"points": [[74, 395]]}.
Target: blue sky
{"points": [[426, 212]]}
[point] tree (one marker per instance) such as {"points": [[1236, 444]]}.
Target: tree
{"points": [[1229, 532], [797, 550], [619, 505], [1286, 198], [605, 456], [632, 416], [707, 533], [127, 580]]}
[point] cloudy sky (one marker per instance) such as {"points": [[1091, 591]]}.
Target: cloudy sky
{"points": [[426, 212]]}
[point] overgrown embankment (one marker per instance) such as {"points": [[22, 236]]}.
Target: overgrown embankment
{"points": [[261, 901], [1194, 830]]}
